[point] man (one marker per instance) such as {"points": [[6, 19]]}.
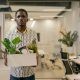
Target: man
{"points": [[27, 36]]}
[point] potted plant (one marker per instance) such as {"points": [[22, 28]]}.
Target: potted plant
{"points": [[10, 46], [33, 46], [69, 38], [17, 59]]}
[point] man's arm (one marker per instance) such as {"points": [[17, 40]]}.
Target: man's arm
{"points": [[4, 56], [5, 59]]}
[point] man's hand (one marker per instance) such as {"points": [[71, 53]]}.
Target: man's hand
{"points": [[5, 60], [4, 56], [24, 47], [17, 52], [37, 57]]}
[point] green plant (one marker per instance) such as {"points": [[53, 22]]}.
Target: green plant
{"points": [[69, 38], [33, 46], [10, 46]]}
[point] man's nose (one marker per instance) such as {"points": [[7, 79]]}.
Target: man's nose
{"points": [[21, 17]]}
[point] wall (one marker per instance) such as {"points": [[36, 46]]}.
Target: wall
{"points": [[48, 29], [71, 21], [1, 25], [49, 34]]}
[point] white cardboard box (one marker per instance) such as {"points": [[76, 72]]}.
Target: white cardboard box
{"points": [[22, 60]]}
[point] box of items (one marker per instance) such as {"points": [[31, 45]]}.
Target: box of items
{"points": [[22, 60]]}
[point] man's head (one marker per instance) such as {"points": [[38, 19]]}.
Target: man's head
{"points": [[21, 17]]}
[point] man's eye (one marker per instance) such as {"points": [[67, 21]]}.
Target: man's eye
{"points": [[23, 16], [18, 16]]}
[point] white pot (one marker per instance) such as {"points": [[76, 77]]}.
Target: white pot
{"points": [[69, 49], [63, 48]]}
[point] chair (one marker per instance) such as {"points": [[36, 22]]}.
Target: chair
{"points": [[68, 67], [66, 63], [75, 67], [47, 61]]}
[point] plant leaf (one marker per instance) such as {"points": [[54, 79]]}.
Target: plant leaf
{"points": [[16, 41], [12, 50], [6, 43], [69, 38], [11, 46]]}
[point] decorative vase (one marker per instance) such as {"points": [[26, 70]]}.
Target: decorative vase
{"points": [[63, 48], [69, 49]]}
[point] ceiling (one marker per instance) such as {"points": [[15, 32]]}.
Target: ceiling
{"points": [[38, 9], [60, 3]]}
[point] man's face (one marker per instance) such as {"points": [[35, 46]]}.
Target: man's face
{"points": [[21, 18]]}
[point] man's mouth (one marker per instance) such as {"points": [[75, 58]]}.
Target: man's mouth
{"points": [[21, 21]]}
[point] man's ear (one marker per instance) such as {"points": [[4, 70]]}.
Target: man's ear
{"points": [[15, 19], [27, 19]]}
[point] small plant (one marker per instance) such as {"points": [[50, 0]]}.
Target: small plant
{"points": [[10, 46], [33, 46], [69, 38]]}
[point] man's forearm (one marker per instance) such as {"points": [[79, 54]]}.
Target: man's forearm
{"points": [[5, 59]]}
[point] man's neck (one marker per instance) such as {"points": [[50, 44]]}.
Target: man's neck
{"points": [[21, 29]]}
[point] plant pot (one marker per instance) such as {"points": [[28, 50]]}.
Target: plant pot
{"points": [[63, 48], [69, 50]]}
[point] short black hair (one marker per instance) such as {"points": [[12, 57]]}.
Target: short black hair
{"points": [[23, 10]]}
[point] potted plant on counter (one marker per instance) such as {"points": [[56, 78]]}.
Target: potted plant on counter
{"points": [[68, 39]]}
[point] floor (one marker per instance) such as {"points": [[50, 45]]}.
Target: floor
{"points": [[42, 74]]}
